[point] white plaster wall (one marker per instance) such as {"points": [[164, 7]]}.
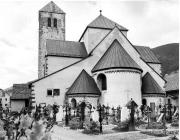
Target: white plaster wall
{"points": [[156, 67], [61, 80], [121, 87], [56, 63], [92, 37], [17, 105]]}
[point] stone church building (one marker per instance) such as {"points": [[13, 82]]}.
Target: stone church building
{"points": [[102, 67]]}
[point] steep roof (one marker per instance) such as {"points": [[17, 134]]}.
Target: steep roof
{"points": [[51, 7], [66, 48], [105, 23], [84, 84], [115, 57], [21, 91], [147, 54], [172, 81], [150, 86]]}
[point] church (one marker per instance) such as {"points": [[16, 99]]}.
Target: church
{"points": [[103, 66]]}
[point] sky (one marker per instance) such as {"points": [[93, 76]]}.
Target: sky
{"points": [[150, 23]]}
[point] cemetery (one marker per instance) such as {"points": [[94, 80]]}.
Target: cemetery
{"points": [[37, 123], [101, 87]]}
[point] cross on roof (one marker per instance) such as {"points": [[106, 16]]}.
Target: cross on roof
{"points": [[100, 12]]}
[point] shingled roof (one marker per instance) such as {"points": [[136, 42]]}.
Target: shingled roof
{"points": [[20, 91], [84, 84], [51, 7], [115, 57], [105, 23], [172, 81], [66, 48], [150, 86], [147, 54]]}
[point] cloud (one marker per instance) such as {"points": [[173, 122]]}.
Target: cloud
{"points": [[7, 42], [137, 8], [92, 2]]}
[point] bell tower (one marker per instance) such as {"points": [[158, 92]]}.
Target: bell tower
{"points": [[51, 26]]}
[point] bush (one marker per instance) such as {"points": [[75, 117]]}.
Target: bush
{"points": [[75, 123], [91, 127], [139, 122], [175, 122], [154, 133], [122, 126], [155, 125]]}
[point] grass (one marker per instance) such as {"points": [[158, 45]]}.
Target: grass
{"points": [[154, 133]]}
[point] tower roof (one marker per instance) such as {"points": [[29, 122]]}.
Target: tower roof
{"points": [[84, 84], [105, 23], [150, 86], [51, 7], [115, 57]]}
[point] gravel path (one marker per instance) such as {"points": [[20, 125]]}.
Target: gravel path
{"points": [[60, 133]]}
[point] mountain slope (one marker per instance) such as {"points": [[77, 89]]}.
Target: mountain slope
{"points": [[169, 56]]}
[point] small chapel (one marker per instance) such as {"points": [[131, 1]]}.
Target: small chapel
{"points": [[102, 67]]}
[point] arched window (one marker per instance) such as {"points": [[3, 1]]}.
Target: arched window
{"points": [[144, 102], [49, 22], [55, 22], [73, 103], [101, 80]]}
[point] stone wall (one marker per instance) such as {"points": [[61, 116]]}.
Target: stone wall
{"points": [[46, 32]]}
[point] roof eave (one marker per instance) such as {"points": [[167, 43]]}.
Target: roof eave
{"points": [[69, 56], [93, 71], [99, 28], [52, 12]]}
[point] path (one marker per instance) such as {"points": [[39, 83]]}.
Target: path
{"points": [[60, 133]]}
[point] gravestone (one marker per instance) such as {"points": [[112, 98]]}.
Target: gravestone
{"points": [[131, 105], [95, 115], [59, 115], [148, 112]]}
